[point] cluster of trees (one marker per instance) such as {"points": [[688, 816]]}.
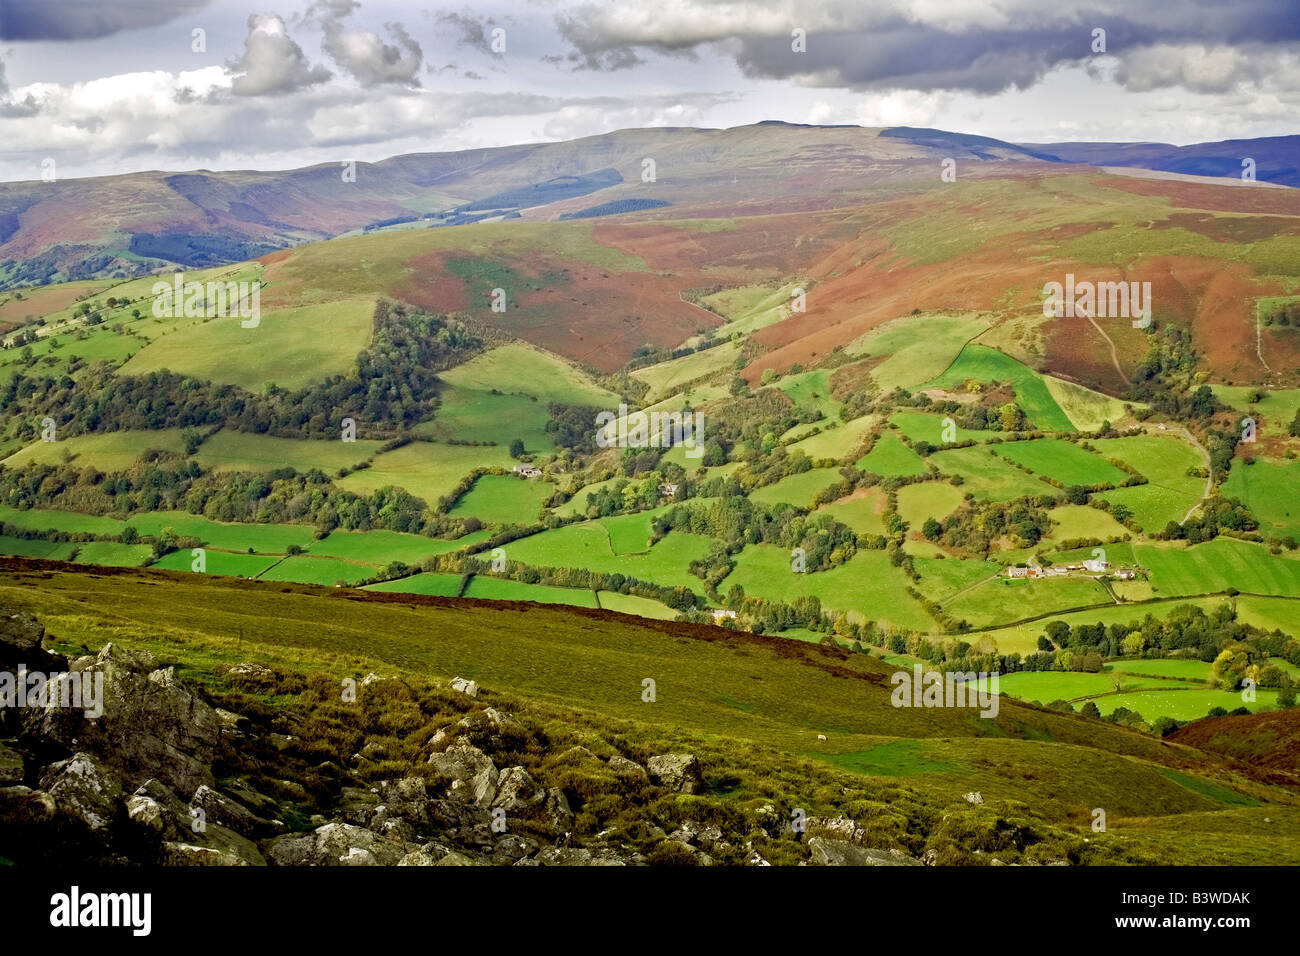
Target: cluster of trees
{"points": [[985, 415], [1217, 515], [1285, 314], [572, 426], [395, 385], [167, 483], [976, 526], [749, 427], [737, 522]]}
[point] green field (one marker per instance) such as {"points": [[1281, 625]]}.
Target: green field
{"points": [[669, 377], [523, 369], [305, 569], [633, 604], [917, 348], [930, 499], [1081, 521], [1047, 686], [111, 554], [798, 490], [428, 582], [218, 562], [290, 347], [752, 307], [504, 499], [987, 477], [1186, 670], [35, 548], [466, 414], [1217, 565], [863, 511], [262, 538], [1086, 409], [810, 390], [982, 364], [587, 545], [866, 584], [1273, 415], [1184, 704], [244, 451], [107, 451], [942, 578], [922, 426], [1003, 600], [1270, 613], [1266, 488], [500, 589], [1065, 461], [40, 519], [889, 456], [1153, 506], [1162, 459], [381, 547], [426, 470], [837, 439]]}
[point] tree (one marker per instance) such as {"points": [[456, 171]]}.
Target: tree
{"points": [[1285, 693], [1089, 709], [516, 448]]}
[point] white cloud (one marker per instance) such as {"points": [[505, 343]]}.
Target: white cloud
{"points": [[272, 62]]}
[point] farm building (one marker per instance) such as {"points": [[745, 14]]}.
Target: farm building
{"points": [[527, 471]]}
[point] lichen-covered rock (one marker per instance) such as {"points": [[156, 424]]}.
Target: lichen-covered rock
{"points": [[827, 851], [84, 789], [152, 725], [680, 773], [469, 769]]}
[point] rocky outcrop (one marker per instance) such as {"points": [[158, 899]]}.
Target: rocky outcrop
{"points": [[152, 725], [830, 852], [678, 772], [164, 777]]}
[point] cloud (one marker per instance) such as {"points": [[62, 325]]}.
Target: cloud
{"points": [[369, 59], [475, 32], [1203, 69], [272, 62], [9, 108], [86, 19], [923, 44]]}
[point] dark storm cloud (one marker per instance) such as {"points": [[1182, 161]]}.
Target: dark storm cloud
{"points": [[86, 19], [890, 45]]}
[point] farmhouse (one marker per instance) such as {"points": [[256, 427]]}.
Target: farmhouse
{"points": [[527, 471], [1017, 572], [668, 489], [719, 613], [1095, 565]]}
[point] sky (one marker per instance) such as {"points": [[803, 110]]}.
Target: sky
{"points": [[114, 87]]}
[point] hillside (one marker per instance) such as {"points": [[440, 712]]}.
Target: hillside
{"points": [[752, 711]]}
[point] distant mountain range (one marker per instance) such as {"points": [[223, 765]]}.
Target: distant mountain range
{"points": [[134, 223]]}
